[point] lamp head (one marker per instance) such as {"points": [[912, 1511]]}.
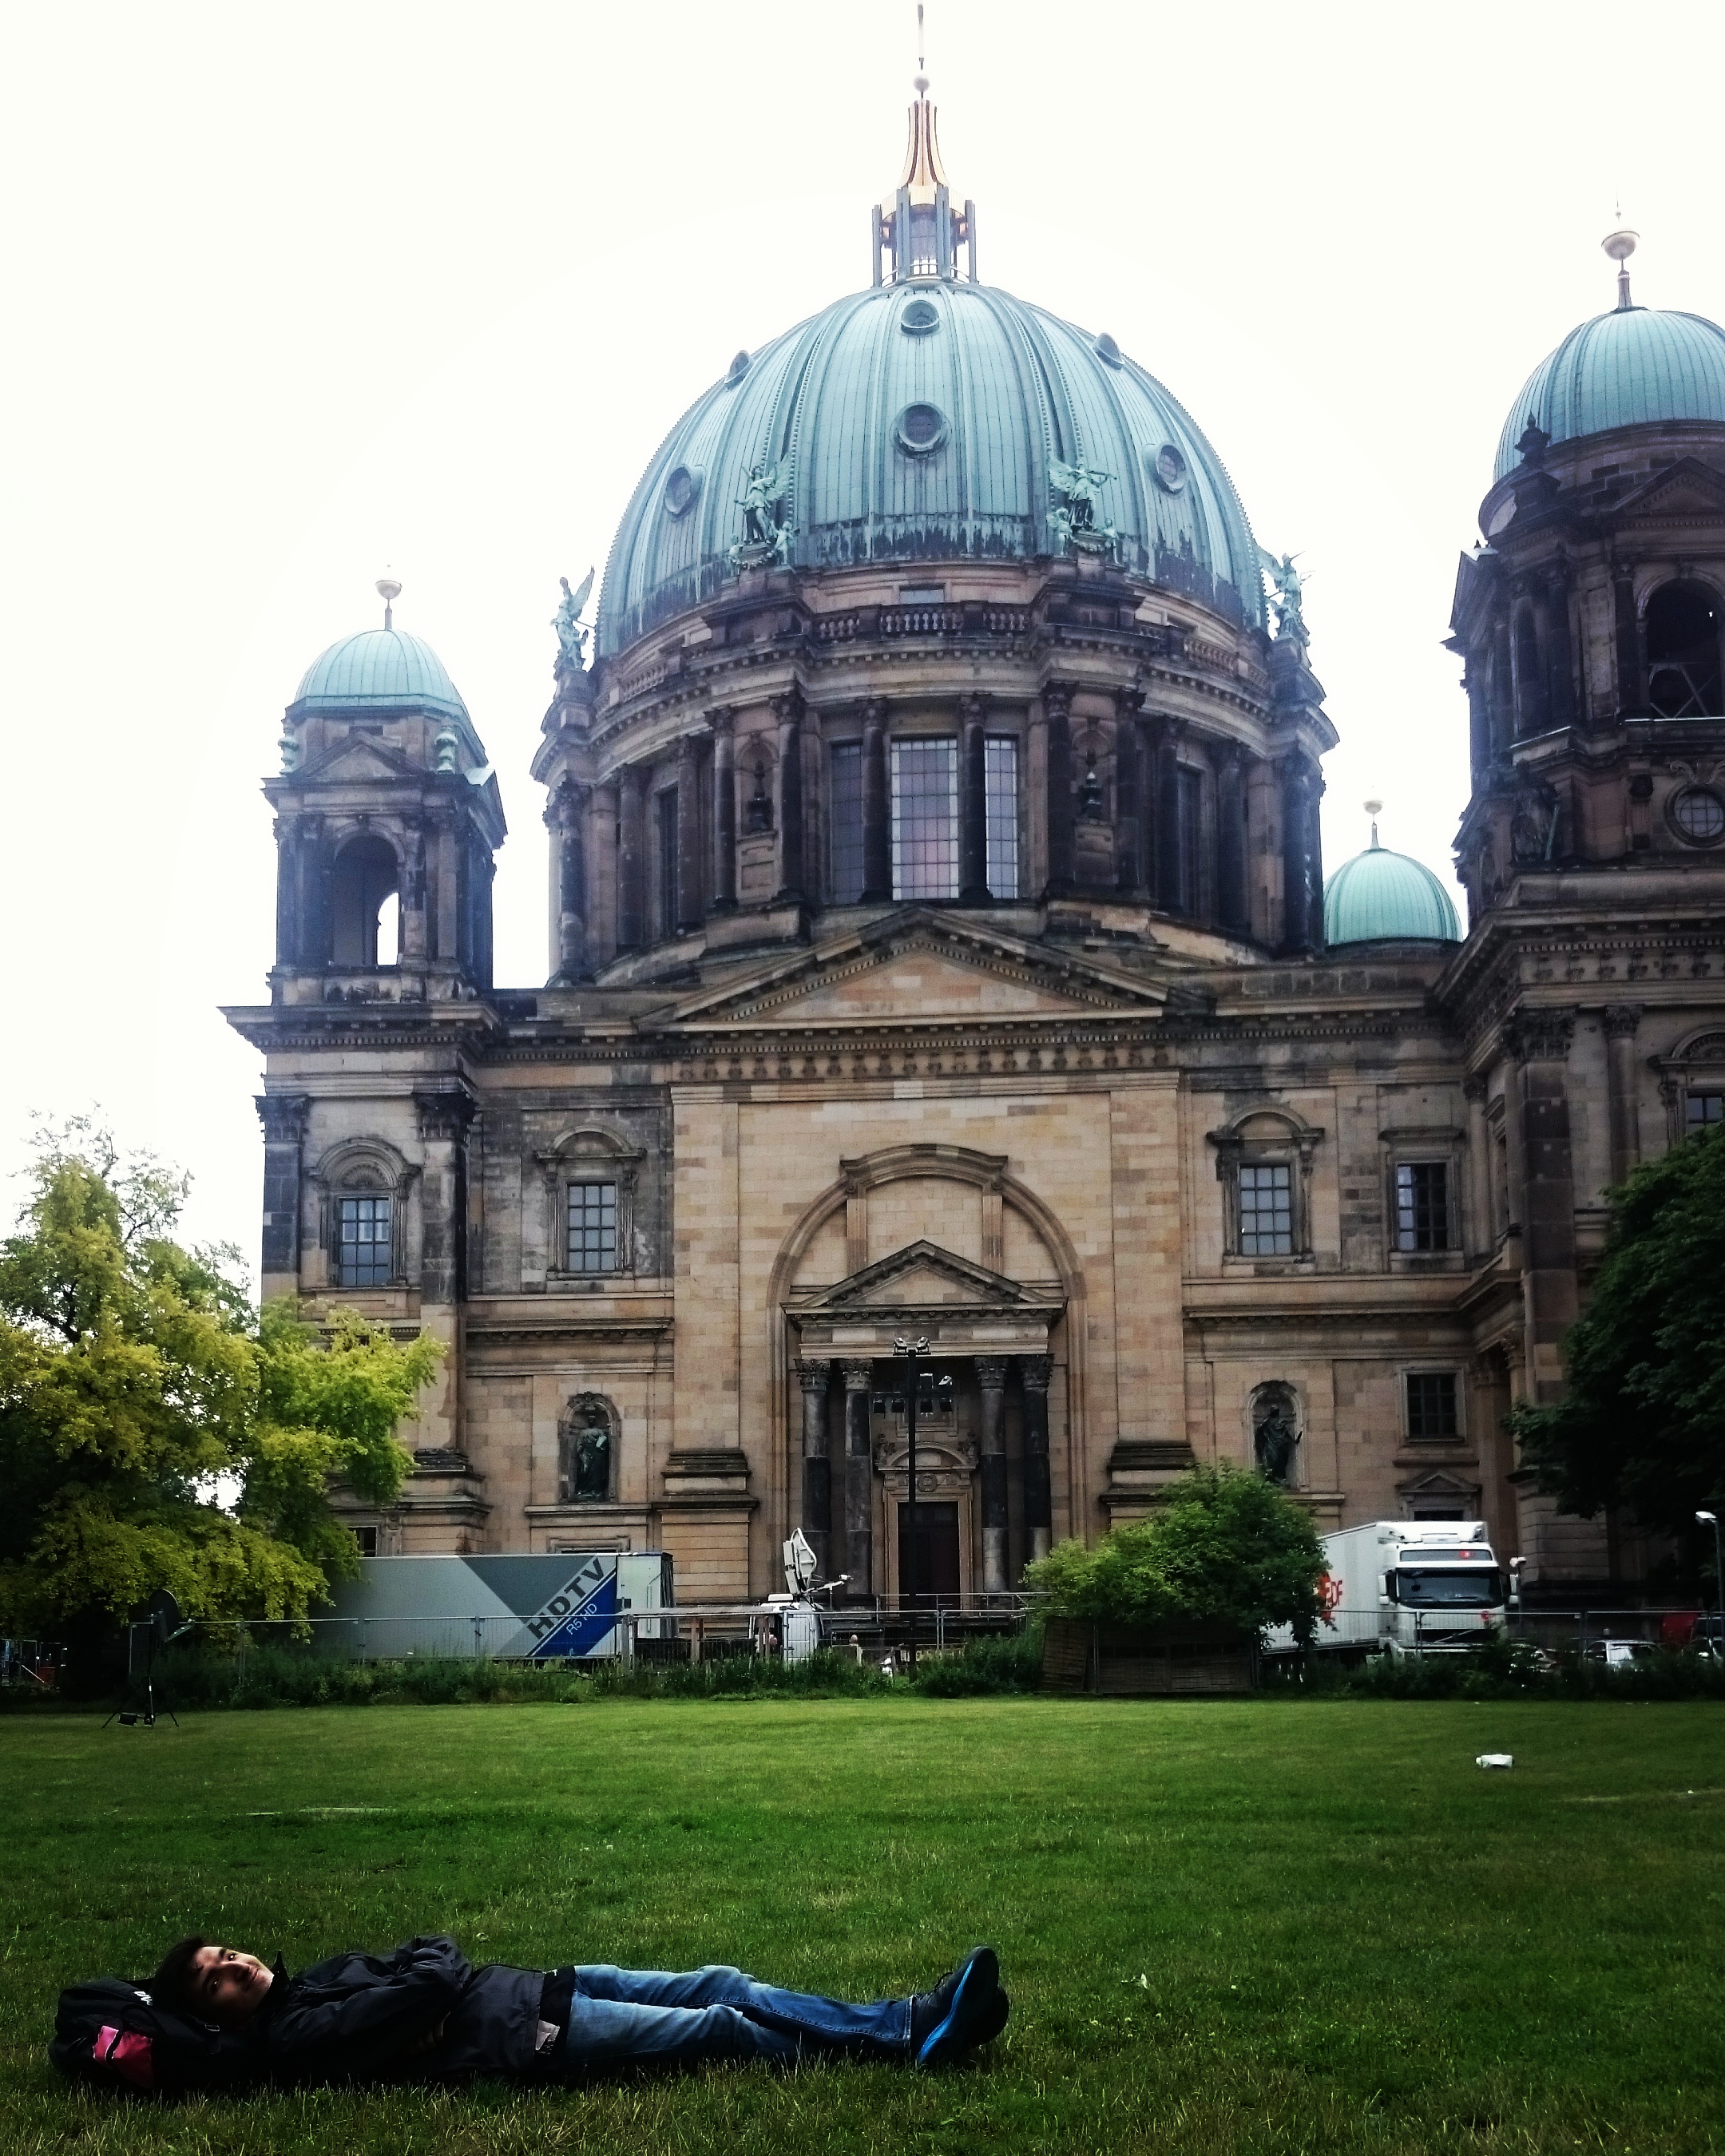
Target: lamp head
{"points": [[1708, 1519]]}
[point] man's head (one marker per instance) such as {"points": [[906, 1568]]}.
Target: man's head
{"points": [[216, 1983]]}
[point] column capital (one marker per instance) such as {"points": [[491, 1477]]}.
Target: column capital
{"points": [[1475, 1087], [283, 1117], [688, 749], [975, 706], [1540, 1036], [722, 719], [1035, 1372], [1621, 1021], [788, 708], [991, 1372], [445, 1115], [813, 1374], [859, 1376]]}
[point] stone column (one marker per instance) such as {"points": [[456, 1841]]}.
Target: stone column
{"points": [[1167, 816], [1230, 844], [443, 1116], [1129, 797], [723, 722], [287, 890], [859, 1481], [1057, 705], [787, 709], [631, 862], [565, 815], [1482, 1236], [877, 836], [973, 794], [1538, 1041], [816, 1467], [1621, 1021], [1479, 716], [1631, 689], [991, 1377], [690, 868], [1301, 876], [283, 1117], [1036, 1371], [412, 895], [1559, 665]]}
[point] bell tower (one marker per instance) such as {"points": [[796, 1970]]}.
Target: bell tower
{"points": [[387, 817]]}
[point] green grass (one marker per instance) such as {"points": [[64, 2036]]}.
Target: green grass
{"points": [[1272, 1925]]}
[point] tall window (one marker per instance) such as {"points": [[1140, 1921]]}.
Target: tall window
{"points": [[1705, 1108], [1000, 770], [365, 1245], [1422, 1205], [925, 819], [845, 769], [1683, 652], [1266, 1210], [1188, 811], [665, 808], [1431, 1404], [592, 1227]]}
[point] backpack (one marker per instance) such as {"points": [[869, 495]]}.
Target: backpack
{"points": [[112, 2035]]}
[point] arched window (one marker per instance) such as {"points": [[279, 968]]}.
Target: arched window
{"points": [[366, 881], [1532, 706], [362, 1185], [1683, 652], [586, 1451]]}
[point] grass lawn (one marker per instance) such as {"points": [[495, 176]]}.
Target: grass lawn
{"points": [[1237, 1925]]}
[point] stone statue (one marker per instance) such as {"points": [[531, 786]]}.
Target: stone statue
{"points": [[572, 637], [1091, 802], [1290, 618], [1534, 827], [446, 751], [590, 1448], [766, 536], [1081, 490], [1273, 1443]]}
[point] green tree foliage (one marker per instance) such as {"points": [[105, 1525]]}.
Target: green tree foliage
{"points": [[1642, 1423], [1225, 1547], [139, 1390]]}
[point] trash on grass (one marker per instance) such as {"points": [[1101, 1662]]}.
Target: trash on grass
{"points": [[1496, 1759]]}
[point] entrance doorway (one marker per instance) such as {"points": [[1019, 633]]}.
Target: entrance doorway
{"points": [[934, 1566]]}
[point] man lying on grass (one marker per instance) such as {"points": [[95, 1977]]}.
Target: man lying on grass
{"points": [[425, 2012]]}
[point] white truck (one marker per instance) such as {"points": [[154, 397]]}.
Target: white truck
{"points": [[1406, 1587]]}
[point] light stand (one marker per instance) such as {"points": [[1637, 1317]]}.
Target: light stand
{"points": [[163, 1627], [1711, 1520], [910, 1350]]}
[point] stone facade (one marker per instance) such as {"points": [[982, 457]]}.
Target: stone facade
{"points": [[1160, 1179]]}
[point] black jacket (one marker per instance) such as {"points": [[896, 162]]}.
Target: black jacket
{"points": [[362, 2017]]}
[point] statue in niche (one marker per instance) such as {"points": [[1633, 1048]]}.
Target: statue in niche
{"points": [[587, 1454], [1274, 1438], [1533, 828], [758, 814], [572, 637], [1090, 792]]}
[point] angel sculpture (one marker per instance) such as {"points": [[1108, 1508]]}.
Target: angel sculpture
{"points": [[762, 494], [1082, 489], [1290, 621], [572, 637]]}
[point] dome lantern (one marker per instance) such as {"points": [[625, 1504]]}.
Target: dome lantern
{"points": [[915, 232]]}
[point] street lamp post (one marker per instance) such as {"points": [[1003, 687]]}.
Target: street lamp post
{"points": [[910, 1349], [1711, 1520]]}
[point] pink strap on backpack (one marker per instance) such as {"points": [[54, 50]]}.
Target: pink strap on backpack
{"points": [[129, 2053]]}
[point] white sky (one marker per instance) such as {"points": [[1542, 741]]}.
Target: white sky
{"points": [[292, 293]]}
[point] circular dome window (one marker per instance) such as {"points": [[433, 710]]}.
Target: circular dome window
{"points": [[1169, 469], [919, 318], [922, 427], [680, 488], [1699, 815], [738, 368], [1107, 350]]}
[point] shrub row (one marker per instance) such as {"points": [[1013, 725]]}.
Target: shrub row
{"points": [[1501, 1668]]}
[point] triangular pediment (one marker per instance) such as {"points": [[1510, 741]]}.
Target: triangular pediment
{"points": [[921, 1273], [359, 758], [1685, 489], [917, 966]]}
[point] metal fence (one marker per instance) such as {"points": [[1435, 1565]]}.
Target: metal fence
{"points": [[1587, 1631]]}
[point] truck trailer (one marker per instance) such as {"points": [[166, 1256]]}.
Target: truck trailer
{"points": [[563, 1607], [1406, 1587]]}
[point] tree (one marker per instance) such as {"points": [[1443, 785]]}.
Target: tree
{"points": [[1225, 1545], [155, 1431], [1642, 1421]]}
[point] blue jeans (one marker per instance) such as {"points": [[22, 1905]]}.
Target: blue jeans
{"points": [[652, 2017]]}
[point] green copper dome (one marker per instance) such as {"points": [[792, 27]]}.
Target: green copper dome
{"points": [[918, 423], [1624, 369], [1379, 896], [380, 669]]}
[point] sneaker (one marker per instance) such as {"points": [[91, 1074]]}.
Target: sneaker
{"points": [[994, 2019], [949, 2020]]}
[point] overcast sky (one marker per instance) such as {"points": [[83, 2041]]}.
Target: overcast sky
{"points": [[293, 293]]}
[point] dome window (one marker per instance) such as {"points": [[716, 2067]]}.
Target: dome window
{"points": [[1167, 467], [1699, 815], [1107, 350], [1683, 652], [681, 489], [919, 318], [738, 368], [921, 429]]}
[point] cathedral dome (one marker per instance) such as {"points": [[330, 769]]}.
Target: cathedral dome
{"points": [[1382, 897], [1633, 366], [379, 670], [919, 422]]}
